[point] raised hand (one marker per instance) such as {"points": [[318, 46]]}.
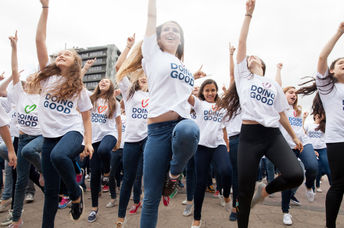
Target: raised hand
{"points": [[13, 40], [279, 66], [231, 49], [341, 27], [89, 63], [199, 73], [131, 41], [250, 4], [2, 76], [305, 115], [45, 3]]}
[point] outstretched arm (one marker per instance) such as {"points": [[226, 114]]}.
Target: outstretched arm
{"points": [[14, 58], [250, 4], [231, 64], [4, 85], [151, 22], [125, 52], [322, 61], [41, 36], [87, 66], [278, 77]]}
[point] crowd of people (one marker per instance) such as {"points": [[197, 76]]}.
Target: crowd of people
{"points": [[158, 126]]}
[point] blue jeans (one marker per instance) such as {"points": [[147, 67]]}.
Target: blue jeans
{"points": [[7, 193], [57, 162], [101, 155], [137, 189], [132, 155], [233, 155], [30, 146], [270, 169], [170, 143], [324, 167], [116, 159], [190, 179], [203, 157]]}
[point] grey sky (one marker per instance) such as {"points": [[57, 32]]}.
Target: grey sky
{"points": [[292, 32]]}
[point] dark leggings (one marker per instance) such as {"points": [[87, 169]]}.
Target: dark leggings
{"points": [[233, 154], [203, 157], [256, 141], [335, 154]]}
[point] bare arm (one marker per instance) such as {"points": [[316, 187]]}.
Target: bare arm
{"points": [[125, 52], [322, 61], [285, 123], [151, 22], [6, 136], [14, 58], [191, 100], [87, 66], [225, 137], [86, 118], [231, 65], [41, 36], [278, 77], [119, 130], [4, 85], [250, 4]]}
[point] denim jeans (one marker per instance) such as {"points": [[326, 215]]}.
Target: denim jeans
{"points": [[170, 143], [324, 167], [101, 155], [203, 157], [190, 179], [57, 162], [7, 193], [233, 155], [31, 146], [270, 169], [132, 155], [116, 159], [137, 189]]}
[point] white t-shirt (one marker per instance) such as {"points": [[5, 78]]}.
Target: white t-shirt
{"points": [[210, 123], [124, 121], [296, 123], [333, 103], [170, 83], [136, 112], [316, 137], [11, 110], [101, 124], [26, 110], [4, 120], [56, 116], [261, 99], [233, 126]]}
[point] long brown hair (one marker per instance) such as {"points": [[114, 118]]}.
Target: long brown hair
{"points": [[207, 82], [71, 85], [108, 96], [180, 50], [318, 110], [296, 107]]}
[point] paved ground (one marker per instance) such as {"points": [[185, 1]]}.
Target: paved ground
{"points": [[267, 215]]}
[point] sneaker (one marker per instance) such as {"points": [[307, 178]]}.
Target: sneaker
{"points": [[170, 185], [110, 204], [106, 188], [187, 211], [210, 189], [287, 219], [78, 208], [180, 184], [29, 198], [5, 204], [12, 225], [294, 201], [319, 190], [233, 216], [199, 226], [79, 176], [222, 201], [119, 224], [166, 200], [185, 202], [310, 195], [92, 217], [134, 208], [216, 194], [257, 198], [65, 202], [8, 219], [228, 206]]}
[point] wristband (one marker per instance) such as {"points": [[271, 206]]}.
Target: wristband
{"points": [[45, 7], [248, 15]]}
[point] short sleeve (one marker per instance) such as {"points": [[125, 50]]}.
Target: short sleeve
{"points": [[323, 83], [280, 103], [241, 71], [124, 86], [4, 119], [150, 47], [118, 110], [84, 102], [15, 93]]}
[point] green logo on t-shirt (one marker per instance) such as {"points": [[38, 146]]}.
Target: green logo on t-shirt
{"points": [[29, 108]]}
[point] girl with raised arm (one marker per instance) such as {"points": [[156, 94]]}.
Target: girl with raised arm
{"points": [[262, 103], [136, 99], [330, 84], [172, 139], [64, 113]]}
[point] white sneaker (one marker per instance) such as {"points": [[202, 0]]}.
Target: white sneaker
{"points": [[287, 219], [228, 206], [110, 204], [29, 198], [258, 197], [187, 211], [185, 202], [200, 224], [222, 201], [310, 195], [319, 190]]}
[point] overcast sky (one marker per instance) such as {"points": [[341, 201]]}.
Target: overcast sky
{"points": [[292, 32]]}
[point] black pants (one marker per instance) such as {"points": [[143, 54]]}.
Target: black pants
{"points": [[335, 154], [256, 141]]}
